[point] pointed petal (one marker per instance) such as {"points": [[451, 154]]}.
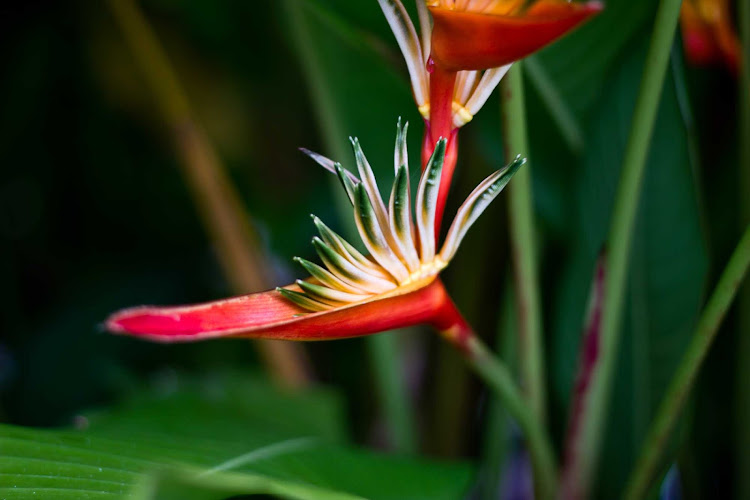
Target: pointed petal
{"points": [[400, 152], [425, 27], [475, 204], [469, 40], [401, 223], [427, 197], [373, 237], [373, 193], [303, 300], [347, 251], [271, 315], [326, 277], [464, 86], [329, 164], [346, 181], [406, 36], [490, 79], [348, 272], [329, 295]]}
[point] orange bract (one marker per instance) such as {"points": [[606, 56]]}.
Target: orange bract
{"points": [[500, 32], [708, 33]]}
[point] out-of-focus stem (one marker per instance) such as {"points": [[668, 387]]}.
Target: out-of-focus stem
{"points": [[218, 204], [383, 349], [523, 244], [743, 365], [594, 418], [496, 375], [653, 449]]}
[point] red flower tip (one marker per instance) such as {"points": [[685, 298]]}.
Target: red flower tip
{"points": [[467, 40]]}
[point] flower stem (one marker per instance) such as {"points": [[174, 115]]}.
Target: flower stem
{"points": [[619, 240], [523, 243], [498, 377], [743, 365], [653, 449], [218, 203]]}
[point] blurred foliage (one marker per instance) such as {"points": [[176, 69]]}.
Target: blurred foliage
{"points": [[289, 446], [94, 216]]}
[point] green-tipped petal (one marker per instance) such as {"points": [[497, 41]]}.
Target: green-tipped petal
{"points": [[373, 237], [346, 181], [346, 250], [346, 271], [400, 153], [400, 215], [326, 277], [371, 187], [475, 204], [303, 300], [426, 204], [329, 295]]}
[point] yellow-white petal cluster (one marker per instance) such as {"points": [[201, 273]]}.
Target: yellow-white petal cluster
{"points": [[400, 240], [473, 88]]}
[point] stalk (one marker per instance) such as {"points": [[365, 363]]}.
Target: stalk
{"points": [[218, 204], [499, 379], [383, 350], [587, 449], [743, 365], [652, 452], [523, 244]]}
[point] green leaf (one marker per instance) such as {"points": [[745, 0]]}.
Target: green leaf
{"points": [[667, 271], [213, 439]]}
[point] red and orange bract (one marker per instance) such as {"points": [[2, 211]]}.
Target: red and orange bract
{"points": [[270, 315], [465, 40]]}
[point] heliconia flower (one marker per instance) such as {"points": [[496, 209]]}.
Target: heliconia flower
{"points": [[708, 34], [455, 65], [352, 294]]}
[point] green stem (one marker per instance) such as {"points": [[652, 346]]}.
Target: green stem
{"points": [[383, 349], [653, 449], [743, 365], [619, 240], [523, 243], [217, 201], [559, 111], [497, 440], [497, 376]]}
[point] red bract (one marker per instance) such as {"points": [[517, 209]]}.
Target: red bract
{"points": [[708, 34], [271, 315], [473, 39], [397, 285]]}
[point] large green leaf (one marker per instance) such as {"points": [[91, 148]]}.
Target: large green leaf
{"points": [[218, 438], [667, 269]]}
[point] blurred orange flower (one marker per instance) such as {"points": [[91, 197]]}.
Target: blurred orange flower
{"points": [[708, 33]]}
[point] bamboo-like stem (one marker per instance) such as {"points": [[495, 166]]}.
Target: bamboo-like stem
{"points": [[498, 438], [658, 436], [218, 203], [497, 376], [743, 364], [383, 349], [523, 242], [619, 242]]}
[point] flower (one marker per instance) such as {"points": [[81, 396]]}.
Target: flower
{"points": [[352, 294], [455, 65], [708, 34]]}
